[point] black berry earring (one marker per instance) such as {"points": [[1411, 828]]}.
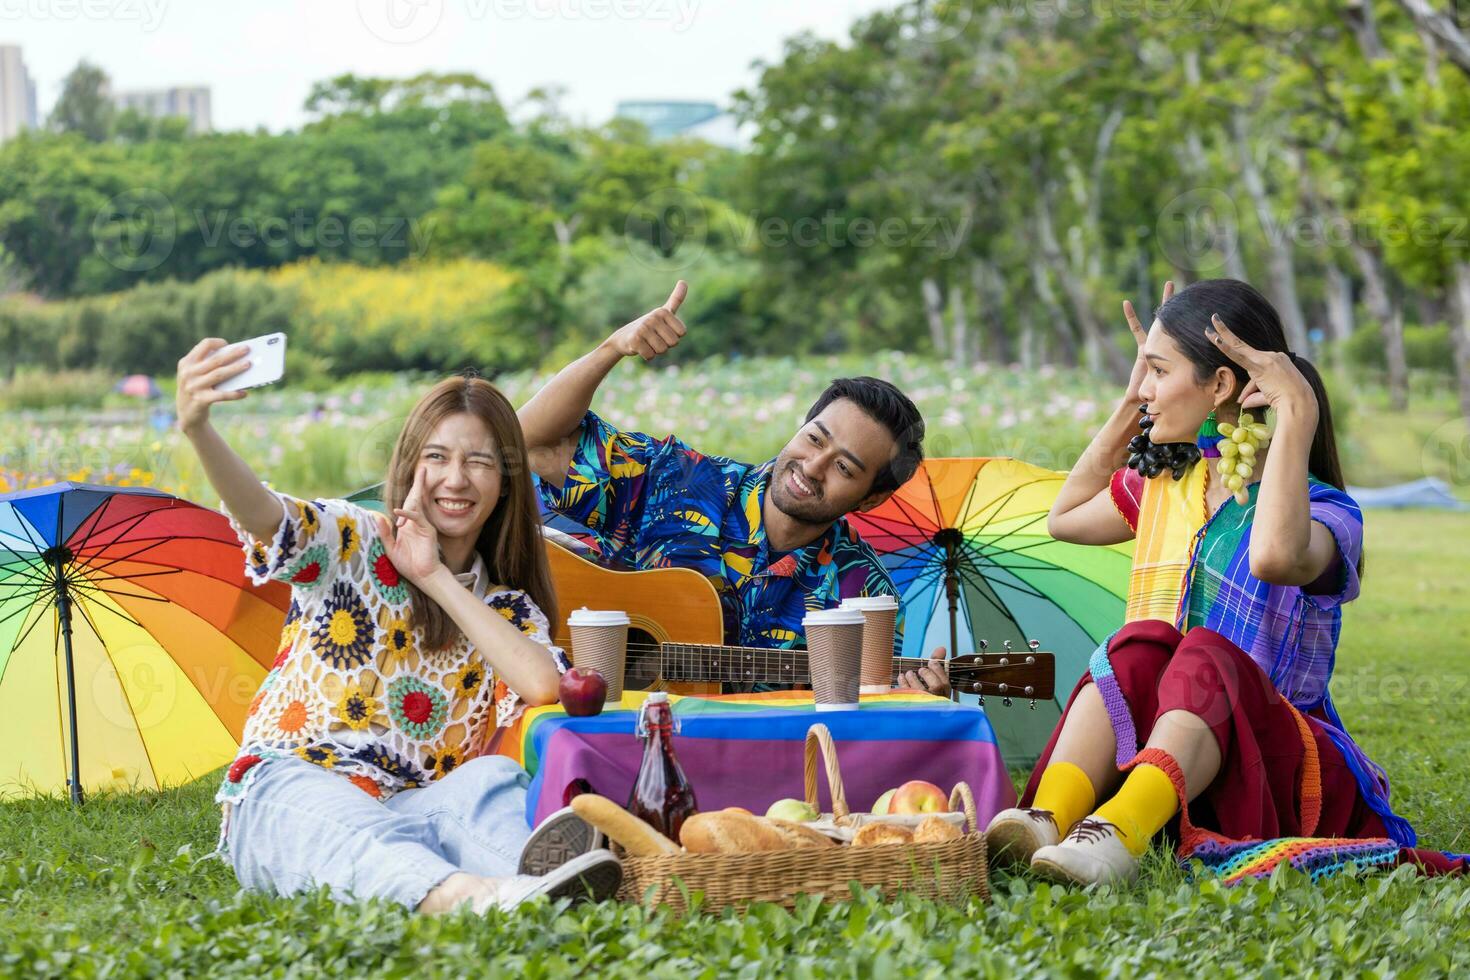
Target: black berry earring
{"points": [[1151, 458]]}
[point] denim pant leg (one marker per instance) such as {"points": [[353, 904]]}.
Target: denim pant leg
{"points": [[302, 826], [478, 813]]}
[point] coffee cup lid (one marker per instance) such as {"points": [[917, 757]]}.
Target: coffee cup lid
{"points": [[833, 617], [874, 603], [597, 617]]}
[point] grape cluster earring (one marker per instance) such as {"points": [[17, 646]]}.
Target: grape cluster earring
{"points": [[1236, 448], [1151, 458]]}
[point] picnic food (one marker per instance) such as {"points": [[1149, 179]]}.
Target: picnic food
{"points": [[797, 811], [935, 830], [917, 796], [799, 834], [633, 835], [723, 832], [582, 692], [882, 833], [884, 802]]}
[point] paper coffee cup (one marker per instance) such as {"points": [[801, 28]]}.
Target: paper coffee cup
{"points": [[880, 620], [600, 643], [834, 642]]}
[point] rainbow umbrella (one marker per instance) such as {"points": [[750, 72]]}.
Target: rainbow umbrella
{"points": [[130, 641], [965, 541]]}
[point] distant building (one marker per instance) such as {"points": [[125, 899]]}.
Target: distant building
{"points": [[17, 94], [701, 120], [190, 102]]}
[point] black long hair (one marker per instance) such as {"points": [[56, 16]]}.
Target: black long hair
{"points": [[882, 401], [1254, 320]]}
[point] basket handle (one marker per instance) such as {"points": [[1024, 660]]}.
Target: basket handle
{"points": [[961, 795], [819, 740]]}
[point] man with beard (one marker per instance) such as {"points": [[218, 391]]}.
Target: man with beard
{"points": [[771, 537]]}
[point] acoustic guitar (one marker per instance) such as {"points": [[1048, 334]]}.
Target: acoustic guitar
{"points": [[676, 638]]}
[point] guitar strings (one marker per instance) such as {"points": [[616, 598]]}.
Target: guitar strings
{"points": [[778, 665]]}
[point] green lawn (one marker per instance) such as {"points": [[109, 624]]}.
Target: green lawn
{"points": [[117, 888]]}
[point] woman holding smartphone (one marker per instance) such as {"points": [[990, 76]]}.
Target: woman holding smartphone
{"points": [[408, 643]]}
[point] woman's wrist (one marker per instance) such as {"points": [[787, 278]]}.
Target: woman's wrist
{"points": [[436, 584], [1295, 415]]}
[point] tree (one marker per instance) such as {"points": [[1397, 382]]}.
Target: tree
{"points": [[85, 105]]}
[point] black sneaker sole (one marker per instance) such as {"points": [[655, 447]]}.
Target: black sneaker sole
{"points": [[598, 883], [561, 837]]}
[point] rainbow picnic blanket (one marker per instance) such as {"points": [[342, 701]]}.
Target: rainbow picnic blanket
{"points": [[747, 750]]}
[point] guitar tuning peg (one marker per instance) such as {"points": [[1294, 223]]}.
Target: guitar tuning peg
{"points": [[1034, 645], [1006, 702], [1008, 646], [1033, 704], [984, 645]]}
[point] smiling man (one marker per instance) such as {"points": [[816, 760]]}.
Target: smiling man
{"points": [[771, 536]]}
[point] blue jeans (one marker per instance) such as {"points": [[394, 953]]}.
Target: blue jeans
{"points": [[302, 826]]}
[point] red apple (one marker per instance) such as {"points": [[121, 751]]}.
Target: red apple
{"points": [[582, 692], [917, 796]]}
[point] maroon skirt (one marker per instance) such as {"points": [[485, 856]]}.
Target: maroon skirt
{"points": [[1272, 782]]}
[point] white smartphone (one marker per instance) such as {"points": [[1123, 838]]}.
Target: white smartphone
{"points": [[267, 359]]}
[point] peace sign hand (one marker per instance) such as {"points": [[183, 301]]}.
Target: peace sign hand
{"points": [[1275, 382], [1140, 336], [411, 542]]}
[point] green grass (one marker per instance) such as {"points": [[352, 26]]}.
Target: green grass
{"points": [[117, 888]]}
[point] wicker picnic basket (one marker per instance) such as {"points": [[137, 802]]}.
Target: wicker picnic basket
{"points": [[953, 870]]}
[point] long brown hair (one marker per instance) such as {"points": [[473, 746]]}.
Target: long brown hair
{"points": [[510, 542]]}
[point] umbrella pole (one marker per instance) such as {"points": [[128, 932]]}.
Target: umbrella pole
{"points": [[63, 610], [950, 539]]}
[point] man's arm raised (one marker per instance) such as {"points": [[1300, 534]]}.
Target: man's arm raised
{"points": [[551, 418]]}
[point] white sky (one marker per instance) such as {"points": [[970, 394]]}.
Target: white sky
{"points": [[260, 57]]}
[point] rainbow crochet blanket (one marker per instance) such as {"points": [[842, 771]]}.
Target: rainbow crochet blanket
{"points": [[1318, 857]]}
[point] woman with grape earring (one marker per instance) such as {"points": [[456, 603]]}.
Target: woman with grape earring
{"points": [[1211, 704]]}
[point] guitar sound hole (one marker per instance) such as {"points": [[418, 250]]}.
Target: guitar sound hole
{"points": [[641, 669]]}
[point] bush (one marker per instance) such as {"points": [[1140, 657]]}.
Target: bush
{"points": [[39, 389]]}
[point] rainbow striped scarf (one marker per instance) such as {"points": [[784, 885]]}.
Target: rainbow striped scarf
{"points": [[1170, 517]]}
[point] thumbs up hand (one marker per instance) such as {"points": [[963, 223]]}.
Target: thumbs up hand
{"points": [[655, 332]]}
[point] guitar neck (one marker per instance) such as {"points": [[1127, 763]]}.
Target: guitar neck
{"points": [[699, 663]]}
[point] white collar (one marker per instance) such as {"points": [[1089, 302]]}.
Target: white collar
{"points": [[476, 579]]}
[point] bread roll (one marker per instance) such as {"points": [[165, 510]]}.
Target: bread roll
{"points": [[637, 837], [935, 830], [882, 833], [724, 832], [799, 835]]}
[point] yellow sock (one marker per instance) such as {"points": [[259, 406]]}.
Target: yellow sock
{"points": [[1142, 807], [1066, 791]]}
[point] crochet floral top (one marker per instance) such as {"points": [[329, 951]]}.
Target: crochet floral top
{"points": [[352, 688]]}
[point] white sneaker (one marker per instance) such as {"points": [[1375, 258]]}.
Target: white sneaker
{"points": [[556, 840], [1092, 854], [594, 876], [1015, 834]]}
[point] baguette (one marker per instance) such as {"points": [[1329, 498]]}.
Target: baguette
{"points": [[882, 833], [799, 835], [723, 832], [637, 837], [935, 830]]}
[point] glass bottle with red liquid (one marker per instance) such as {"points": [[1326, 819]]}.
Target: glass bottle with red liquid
{"points": [[661, 795]]}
